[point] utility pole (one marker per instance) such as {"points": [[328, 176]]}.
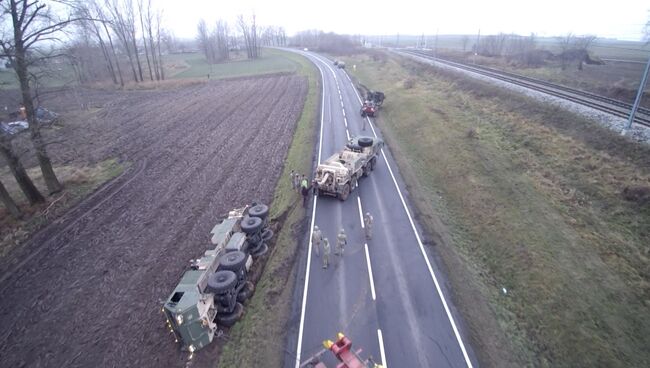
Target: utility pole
{"points": [[637, 101], [435, 45], [478, 40]]}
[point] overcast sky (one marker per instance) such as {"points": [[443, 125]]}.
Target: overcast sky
{"points": [[623, 19]]}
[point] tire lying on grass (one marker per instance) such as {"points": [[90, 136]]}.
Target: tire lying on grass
{"points": [[246, 292], [260, 250]]}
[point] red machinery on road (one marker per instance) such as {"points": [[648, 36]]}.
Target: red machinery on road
{"points": [[342, 350]]}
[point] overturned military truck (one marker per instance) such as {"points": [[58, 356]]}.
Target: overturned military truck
{"points": [[213, 291], [339, 174]]}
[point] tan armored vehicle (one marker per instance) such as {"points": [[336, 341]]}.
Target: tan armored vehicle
{"points": [[339, 175]]}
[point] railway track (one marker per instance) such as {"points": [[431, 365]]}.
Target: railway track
{"points": [[601, 103]]}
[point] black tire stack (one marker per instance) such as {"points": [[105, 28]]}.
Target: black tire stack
{"points": [[256, 228]]}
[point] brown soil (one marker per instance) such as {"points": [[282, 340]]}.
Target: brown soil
{"points": [[86, 290]]}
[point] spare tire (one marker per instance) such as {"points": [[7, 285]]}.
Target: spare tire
{"points": [[251, 225], [232, 261], [267, 234], [260, 210], [365, 141], [221, 281]]}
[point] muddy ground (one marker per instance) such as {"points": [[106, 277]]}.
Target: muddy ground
{"points": [[86, 290]]}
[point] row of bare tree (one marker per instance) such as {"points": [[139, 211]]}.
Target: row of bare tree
{"points": [[327, 42], [216, 43], [113, 33]]}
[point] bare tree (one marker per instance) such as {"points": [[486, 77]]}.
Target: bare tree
{"points": [[25, 183], [465, 40], [565, 43], [9, 203], [250, 36], [122, 22], [144, 36], [203, 38], [32, 23]]}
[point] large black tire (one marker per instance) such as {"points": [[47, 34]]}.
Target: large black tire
{"points": [[373, 163], [251, 225], [267, 234], [232, 261], [366, 169], [260, 251], [245, 292], [260, 210], [363, 113], [345, 193], [229, 319], [365, 141], [221, 281]]}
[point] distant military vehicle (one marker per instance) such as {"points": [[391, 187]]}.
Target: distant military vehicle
{"points": [[211, 293], [339, 175]]}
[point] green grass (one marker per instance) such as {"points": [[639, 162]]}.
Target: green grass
{"points": [[258, 339], [272, 61], [526, 197]]}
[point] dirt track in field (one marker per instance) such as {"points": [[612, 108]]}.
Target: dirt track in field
{"points": [[88, 295]]}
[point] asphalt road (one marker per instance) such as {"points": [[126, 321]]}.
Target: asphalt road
{"points": [[386, 294]]}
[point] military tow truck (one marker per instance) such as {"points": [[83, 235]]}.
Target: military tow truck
{"points": [[211, 293], [339, 175]]}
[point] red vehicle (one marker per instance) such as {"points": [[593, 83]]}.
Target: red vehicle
{"points": [[368, 109], [342, 350]]}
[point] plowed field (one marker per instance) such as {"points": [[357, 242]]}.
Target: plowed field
{"points": [[85, 291]]}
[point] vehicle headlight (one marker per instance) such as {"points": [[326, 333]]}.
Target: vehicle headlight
{"points": [[191, 348], [179, 319]]}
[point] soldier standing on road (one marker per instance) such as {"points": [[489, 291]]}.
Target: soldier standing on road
{"points": [[341, 242], [326, 253], [304, 184], [316, 238], [367, 222]]}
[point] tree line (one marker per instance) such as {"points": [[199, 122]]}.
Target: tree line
{"points": [[218, 41], [115, 39]]}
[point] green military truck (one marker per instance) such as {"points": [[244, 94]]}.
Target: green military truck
{"points": [[211, 293]]}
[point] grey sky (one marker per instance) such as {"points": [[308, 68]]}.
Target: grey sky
{"points": [[623, 19]]}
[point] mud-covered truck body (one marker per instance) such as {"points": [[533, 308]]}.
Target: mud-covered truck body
{"points": [[339, 174], [211, 293]]}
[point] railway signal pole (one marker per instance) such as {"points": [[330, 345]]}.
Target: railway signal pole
{"points": [[637, 101]]}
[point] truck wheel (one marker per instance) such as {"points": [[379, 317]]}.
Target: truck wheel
{"points": [[366, 169], [345, 193], [260, 251], [229, 319], [354, 182], [232, 261], [365, 141], [373, 163], [267, 234], [363, 114], [260, 210], [245, 292], [221, 281], [251, 225]]}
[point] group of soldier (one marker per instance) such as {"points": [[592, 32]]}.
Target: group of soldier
{"points": [[301, 184], [318, 240]]}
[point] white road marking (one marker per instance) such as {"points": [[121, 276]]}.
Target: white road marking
{"points": [[360, 212], [424, 254], [372, 283], [309, 250], [384, 363]]}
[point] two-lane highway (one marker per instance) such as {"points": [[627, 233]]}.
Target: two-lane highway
{"points": [[383, 293]]}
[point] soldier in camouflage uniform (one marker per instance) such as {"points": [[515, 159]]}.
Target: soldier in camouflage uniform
{"points": [[341, 242], [316, 238], [326, 253], [367, 222]]}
